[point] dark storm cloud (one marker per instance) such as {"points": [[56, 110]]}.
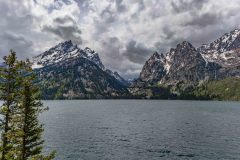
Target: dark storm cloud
{"points": [[120, 6], [108, 26], [165, 45], [18, 39], [65, 28], [111, 48], [168, 32], [211, 34], [115, 59], [137, 52], [100, 28], [14, 30], [204, 20], [17, 42], [179, 6]]}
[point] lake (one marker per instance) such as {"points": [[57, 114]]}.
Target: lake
{"points": [[142, 129]]}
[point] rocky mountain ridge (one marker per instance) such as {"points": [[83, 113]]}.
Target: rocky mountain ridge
{"points": [[68, 72], [63, 51], [188, 66]]}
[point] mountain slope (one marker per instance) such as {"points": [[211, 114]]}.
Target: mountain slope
{"points": [[186, 66], [226, 89], [68, 72], [64, 51], [224, 51], [181, 64], [227, 42], [154, 68]]}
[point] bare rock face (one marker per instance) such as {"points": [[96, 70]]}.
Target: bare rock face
{"points": [[181, 64], [154, 69], [64, 51], [225, 51], [227, 42], [68, 72], [187, 65]]}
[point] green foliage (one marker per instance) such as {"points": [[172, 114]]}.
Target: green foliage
{"points": [[30, 108], [152, 92], [162, 92], [10, 84], [78, 79], [226, 89], [21, 131]]}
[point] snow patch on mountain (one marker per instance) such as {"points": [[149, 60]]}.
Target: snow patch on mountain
{"points": [[36, 66], [64, 51], [68, 51], [118, 77], [167, 65], [224, 51], [187, 64], [227, 42]]}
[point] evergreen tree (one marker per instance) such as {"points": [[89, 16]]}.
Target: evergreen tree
{"points": [[21, 131], [31, 107], [9, 88]]}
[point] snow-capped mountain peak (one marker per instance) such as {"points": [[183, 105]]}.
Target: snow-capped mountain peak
{"points": [[66, 51], [93, 56], [227, 42], [186, 64], [66, 46], [63, 51], [89, 50], [184, 44], [224, 50]]}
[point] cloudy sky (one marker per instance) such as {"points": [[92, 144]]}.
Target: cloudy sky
{"points": [[124, 32]]}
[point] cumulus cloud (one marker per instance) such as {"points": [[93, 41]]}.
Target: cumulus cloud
{"points": [[65, 28], [137, 52], [120, 6], [204, 20], [187, 5], [124, 32], [16, 42]]}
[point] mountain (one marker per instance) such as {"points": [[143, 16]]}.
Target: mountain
{"points": [[64, 51], [225, 51], [68, 72], [118, 77], [227, 42], [154, 69], [185, 66], [225, 89]]}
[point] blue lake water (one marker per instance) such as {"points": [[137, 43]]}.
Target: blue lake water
{"points": [[142, 129]]}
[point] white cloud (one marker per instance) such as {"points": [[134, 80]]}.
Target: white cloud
{"points": [[108, 26]]}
